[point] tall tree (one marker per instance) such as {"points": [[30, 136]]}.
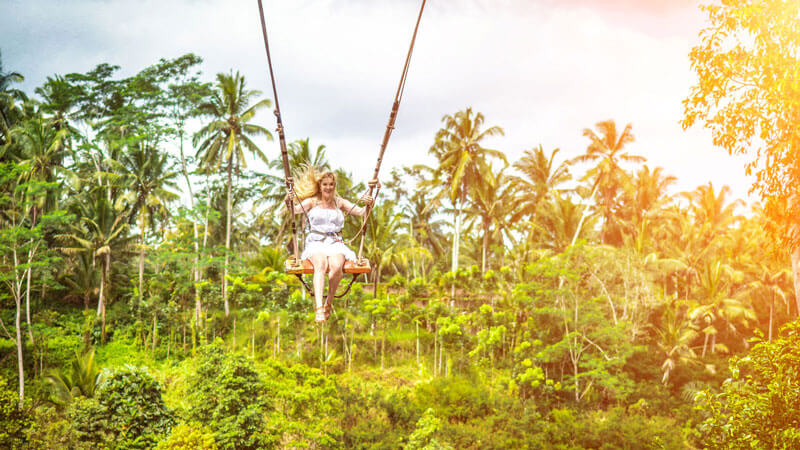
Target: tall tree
{"points": [[41, 153], [9, 112], [185, 96], [149, 176], [490, 203], [224, 139], [102, 231], [644, 203], [540, 176], [712, 212], [463, 162], [606, 152], [746, 91]]}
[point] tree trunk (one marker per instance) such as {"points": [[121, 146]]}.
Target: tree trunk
{"points": [[383, 344], [796, 276], [18, 323], [200, 323], [350, 352], [227, 240], [771, 309], [435, 349], [141, 256], [456, 240], [583, 217], [28, 292], [155, 334], [196, 264], [416, 326], [484, 247], [102, 303]]}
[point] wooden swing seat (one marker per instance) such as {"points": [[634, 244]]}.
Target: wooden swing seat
{"points": [[306, 268]]}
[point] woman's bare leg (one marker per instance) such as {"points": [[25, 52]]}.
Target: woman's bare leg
{"points": [[320, 263], [335, 263]]}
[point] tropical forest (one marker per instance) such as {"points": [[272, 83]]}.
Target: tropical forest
{"points": [[543, 301]]}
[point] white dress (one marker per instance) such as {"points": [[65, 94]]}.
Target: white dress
{"points": [[324, 234]]}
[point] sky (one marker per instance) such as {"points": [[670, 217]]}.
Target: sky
{"points": [[543, 70]]}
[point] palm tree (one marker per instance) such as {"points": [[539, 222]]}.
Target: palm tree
{"points": [[102, 232], [224, 139], [770, 284], [717, 307], [539, 178], [559, 224], [643, 202], [423, 225], [675, 338], [41, 151], [59, 99], [608, 177], [80, 278], [463, 162], [490, 204], [9, 113], [80, 379], [712, 212], [149, 174], [381, 244]]}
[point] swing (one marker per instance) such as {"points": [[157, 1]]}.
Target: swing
{"points": [[293, 264], [306, 268]]}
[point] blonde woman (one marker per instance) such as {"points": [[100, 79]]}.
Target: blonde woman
{"points": [[316, 195]]}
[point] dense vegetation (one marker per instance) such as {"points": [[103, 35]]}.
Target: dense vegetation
{"points": [[536, 303]]}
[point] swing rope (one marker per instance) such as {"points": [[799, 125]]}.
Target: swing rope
{"points": [[388, 133], [373, 183], [287, 174]]}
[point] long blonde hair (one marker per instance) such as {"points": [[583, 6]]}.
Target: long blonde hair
{"points": [[308, 179]]}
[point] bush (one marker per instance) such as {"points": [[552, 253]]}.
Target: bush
{"points": [[127, 411], [306, 406], [189, 437], [14, 422], [759, 405], [225, 395]]}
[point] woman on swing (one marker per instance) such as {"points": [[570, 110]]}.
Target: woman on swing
{"points": [[325, 211]]}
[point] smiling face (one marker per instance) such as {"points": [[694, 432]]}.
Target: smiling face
{"points": [[327, 187]]}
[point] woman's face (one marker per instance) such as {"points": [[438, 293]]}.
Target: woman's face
{"points": [[327, 187]]}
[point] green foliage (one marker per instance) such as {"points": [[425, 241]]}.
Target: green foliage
{"points": [[457, 399], [126, 413], [424, 435], [80, 379], [54, 430], [611, 429], [15, 420], [186, 436], [568, 346], [225, 394], [306, 406], [759, 405]]}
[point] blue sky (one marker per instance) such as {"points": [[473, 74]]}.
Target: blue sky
{"points": [[543, 70]]}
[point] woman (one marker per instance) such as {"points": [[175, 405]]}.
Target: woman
{"points": [[316, 195]]}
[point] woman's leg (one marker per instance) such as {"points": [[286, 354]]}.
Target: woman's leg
{"points": [[335, 262], [320, 263]]}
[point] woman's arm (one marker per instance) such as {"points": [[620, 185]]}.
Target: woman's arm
{"points": [[305, 205], [346, 205]]}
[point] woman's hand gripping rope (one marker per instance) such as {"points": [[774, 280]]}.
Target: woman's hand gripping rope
{"points": [[367, 199]]}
